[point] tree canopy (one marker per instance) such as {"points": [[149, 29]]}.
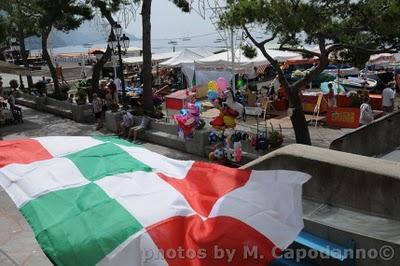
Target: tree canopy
{"points": [[369, 26]]}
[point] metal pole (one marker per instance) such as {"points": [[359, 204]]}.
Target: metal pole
{"points": [[114, 66], [233, 62], [121, 73]]}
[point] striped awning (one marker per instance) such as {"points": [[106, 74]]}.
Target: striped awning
{"points": [[261, 69]]}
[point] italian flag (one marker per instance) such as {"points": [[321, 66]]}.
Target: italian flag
{"points": [[104, 201]]}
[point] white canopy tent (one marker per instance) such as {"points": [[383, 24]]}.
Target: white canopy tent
{"points": [[155, 58], [185, 60], [242, 63], [186, 56]]}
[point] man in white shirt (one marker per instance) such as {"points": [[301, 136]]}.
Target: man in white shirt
{"points": [[118, 84], [126, 124], [388, 96]]}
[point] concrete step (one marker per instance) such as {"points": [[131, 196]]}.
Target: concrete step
{"points": [[164, 139], [58, 111], [25, 102]]}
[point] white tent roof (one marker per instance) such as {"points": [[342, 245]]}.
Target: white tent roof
{"points": [[223, 60], [186, 56], [382, 58], [154, 57]]}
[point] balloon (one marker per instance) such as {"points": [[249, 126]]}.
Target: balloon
{"points": [[212, 85], [183, 112], [212, 95], [240, 83], [212, 137], [199, 106], [222, 84], [229, 121], [219, 153]]}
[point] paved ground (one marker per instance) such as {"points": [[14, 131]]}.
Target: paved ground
{"points": [[17, 243]]}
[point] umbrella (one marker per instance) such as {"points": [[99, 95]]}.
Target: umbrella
{"points": [[12, 69]]}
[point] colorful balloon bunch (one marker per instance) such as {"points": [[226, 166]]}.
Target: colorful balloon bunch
{"points": [[188, 119], [223, 100]]}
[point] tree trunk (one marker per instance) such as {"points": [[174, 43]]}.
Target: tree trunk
{"points": [[46, 56], [98, 67], [298, 119], [105, 12], [147, 79], [25, 59]]}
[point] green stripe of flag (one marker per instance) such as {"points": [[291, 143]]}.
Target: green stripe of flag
{"points": [[79, 226], [105, 160], [115, 140]]}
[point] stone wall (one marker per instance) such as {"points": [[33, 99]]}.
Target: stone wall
{"points": [[380, 137], [78, 113], [349, 197]]}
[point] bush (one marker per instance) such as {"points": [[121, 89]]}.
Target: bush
{"points": [[81, 96]]}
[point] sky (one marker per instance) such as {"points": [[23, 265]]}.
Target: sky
{"points": [[168, 21]]}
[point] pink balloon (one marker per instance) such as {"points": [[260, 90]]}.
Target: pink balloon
{"points": [[222, 84]]}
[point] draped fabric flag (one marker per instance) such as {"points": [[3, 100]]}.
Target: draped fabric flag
{"points": [[100, 200]]}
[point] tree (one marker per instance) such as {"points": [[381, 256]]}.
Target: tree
{"points": [[106, 8], [3, 33], [63, 15], [332, 25], [21, 26], [147, 67]]}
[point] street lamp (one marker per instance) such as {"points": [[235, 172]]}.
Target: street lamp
{"points": [[119, 45]]}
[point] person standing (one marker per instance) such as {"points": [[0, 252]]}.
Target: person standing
{"points": [[118, 85], [331, 96], [98, 110], [388, 96], [113, 90]]}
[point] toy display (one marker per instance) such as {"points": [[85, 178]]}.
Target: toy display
{"points": [[189, 119]]}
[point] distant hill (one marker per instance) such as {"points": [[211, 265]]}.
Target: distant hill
{"points": [[85, 34]]}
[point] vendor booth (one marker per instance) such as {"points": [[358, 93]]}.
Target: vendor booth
{"points": [[309, 102], [343, 117]]}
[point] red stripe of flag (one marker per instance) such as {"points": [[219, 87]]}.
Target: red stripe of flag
{"points": [[205, 183], [22, 151], [217, 241]]}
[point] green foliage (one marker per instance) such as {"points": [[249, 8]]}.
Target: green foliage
{"points": [[3, 30], [182, 4], [81, 96], [369, 24], [249, 51]]}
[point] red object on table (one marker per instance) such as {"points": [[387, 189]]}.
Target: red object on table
{"points": [[177, 100], [376, 101], [343, 117]]}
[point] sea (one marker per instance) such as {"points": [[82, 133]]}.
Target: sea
{"points": [[158, 46]]}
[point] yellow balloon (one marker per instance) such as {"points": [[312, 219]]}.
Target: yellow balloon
{"points": [[229, 121], [212, 85]]}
